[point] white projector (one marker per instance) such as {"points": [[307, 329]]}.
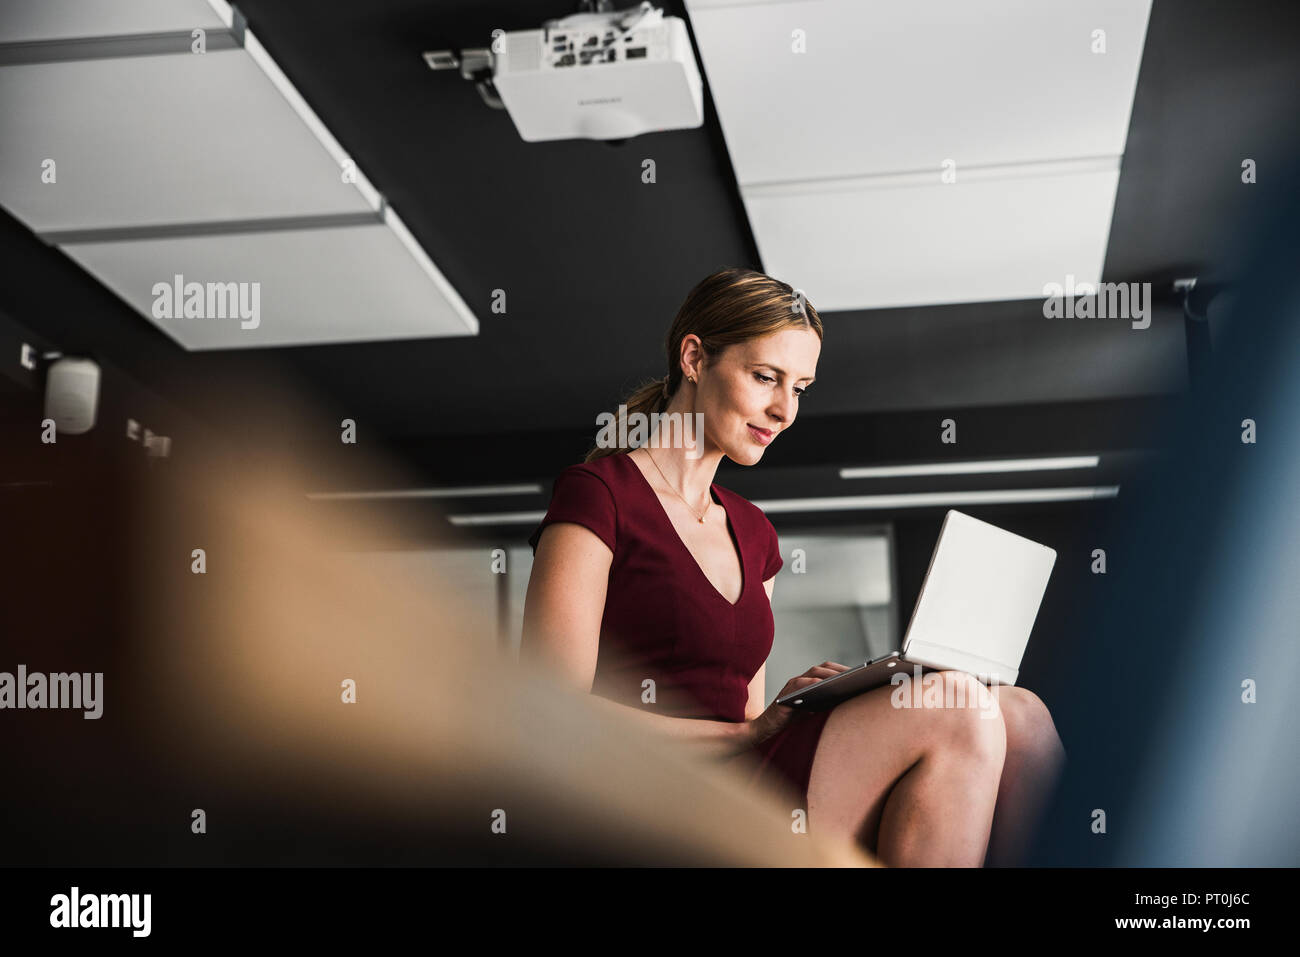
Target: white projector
{"points": [[601, 76]]}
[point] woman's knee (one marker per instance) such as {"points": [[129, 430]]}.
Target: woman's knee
{"points": [[1030, 728], [951, 710], [973, 715]]}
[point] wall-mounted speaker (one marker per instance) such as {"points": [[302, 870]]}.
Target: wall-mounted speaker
{"points": [[72, 395]]}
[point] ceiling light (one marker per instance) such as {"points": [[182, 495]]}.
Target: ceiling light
{"points": [[1015, 496], [845, 503], [467, 491], [499, 518], [973, 467]]}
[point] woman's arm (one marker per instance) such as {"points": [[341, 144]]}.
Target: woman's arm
{"points": [[561, 632], [758, 684], [757, 692]]}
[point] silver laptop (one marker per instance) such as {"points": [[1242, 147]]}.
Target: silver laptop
{"points": [[976, 609]]}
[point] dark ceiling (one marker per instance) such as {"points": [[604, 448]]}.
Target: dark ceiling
{"points": [[595, 265]]}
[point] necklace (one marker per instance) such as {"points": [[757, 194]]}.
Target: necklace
{"points": [[675, 492]]}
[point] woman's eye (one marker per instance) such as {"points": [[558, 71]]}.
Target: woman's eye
{"points": [[767, 378]]}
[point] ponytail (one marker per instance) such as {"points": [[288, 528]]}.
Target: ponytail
{"points": [[647, 400]]}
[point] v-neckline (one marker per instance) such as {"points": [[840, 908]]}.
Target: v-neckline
{"points": [[731, 531]]}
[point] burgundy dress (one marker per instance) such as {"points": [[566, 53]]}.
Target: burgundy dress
{"points": [[664, 620]]}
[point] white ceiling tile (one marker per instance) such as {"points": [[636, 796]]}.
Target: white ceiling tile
{"points": [[150, 140], [329, 285], [29, 21], [999, 235], [898, 86]]}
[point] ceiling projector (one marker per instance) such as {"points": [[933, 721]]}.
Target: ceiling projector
{"points": [[602, 76]]}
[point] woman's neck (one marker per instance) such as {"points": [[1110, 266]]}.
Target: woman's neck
{"points": [[691, 477]]}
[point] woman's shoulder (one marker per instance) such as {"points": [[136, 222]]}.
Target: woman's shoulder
{"points": [[585, 493], [604, 470]]}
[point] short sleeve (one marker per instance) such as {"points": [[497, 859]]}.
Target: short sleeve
{"points": [[773, 562], [580, 495]]}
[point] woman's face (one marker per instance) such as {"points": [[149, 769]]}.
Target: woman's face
{"points": [[750, 395]]}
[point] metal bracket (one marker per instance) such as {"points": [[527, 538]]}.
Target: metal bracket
{"points": [[475, 64], [442, 59]]}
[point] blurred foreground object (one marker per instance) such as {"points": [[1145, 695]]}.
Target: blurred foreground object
{"points": [[251, 661]]}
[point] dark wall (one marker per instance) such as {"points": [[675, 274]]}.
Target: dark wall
{"points": [[1074, 529]]}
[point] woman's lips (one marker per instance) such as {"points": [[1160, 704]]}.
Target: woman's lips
{"points": [[761, 437]]}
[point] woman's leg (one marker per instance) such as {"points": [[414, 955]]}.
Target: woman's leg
{"points": [[915, 785], [1035, 757]]}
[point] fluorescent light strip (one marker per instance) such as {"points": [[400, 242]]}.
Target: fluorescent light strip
{"points": [[468, 491], [500, 518], [973, 467], [1016, 496], [1013, 496]]}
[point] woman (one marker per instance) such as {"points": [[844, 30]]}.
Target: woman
{"points": [[644, 591]]}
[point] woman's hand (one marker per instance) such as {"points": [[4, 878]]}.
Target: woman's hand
{"points": [[777, 716]]}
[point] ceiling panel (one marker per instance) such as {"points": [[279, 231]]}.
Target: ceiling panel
{"points": [[341, 284], [166, 139], [881, 242], [1229, 69], [30, 21], [892, 87]]}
